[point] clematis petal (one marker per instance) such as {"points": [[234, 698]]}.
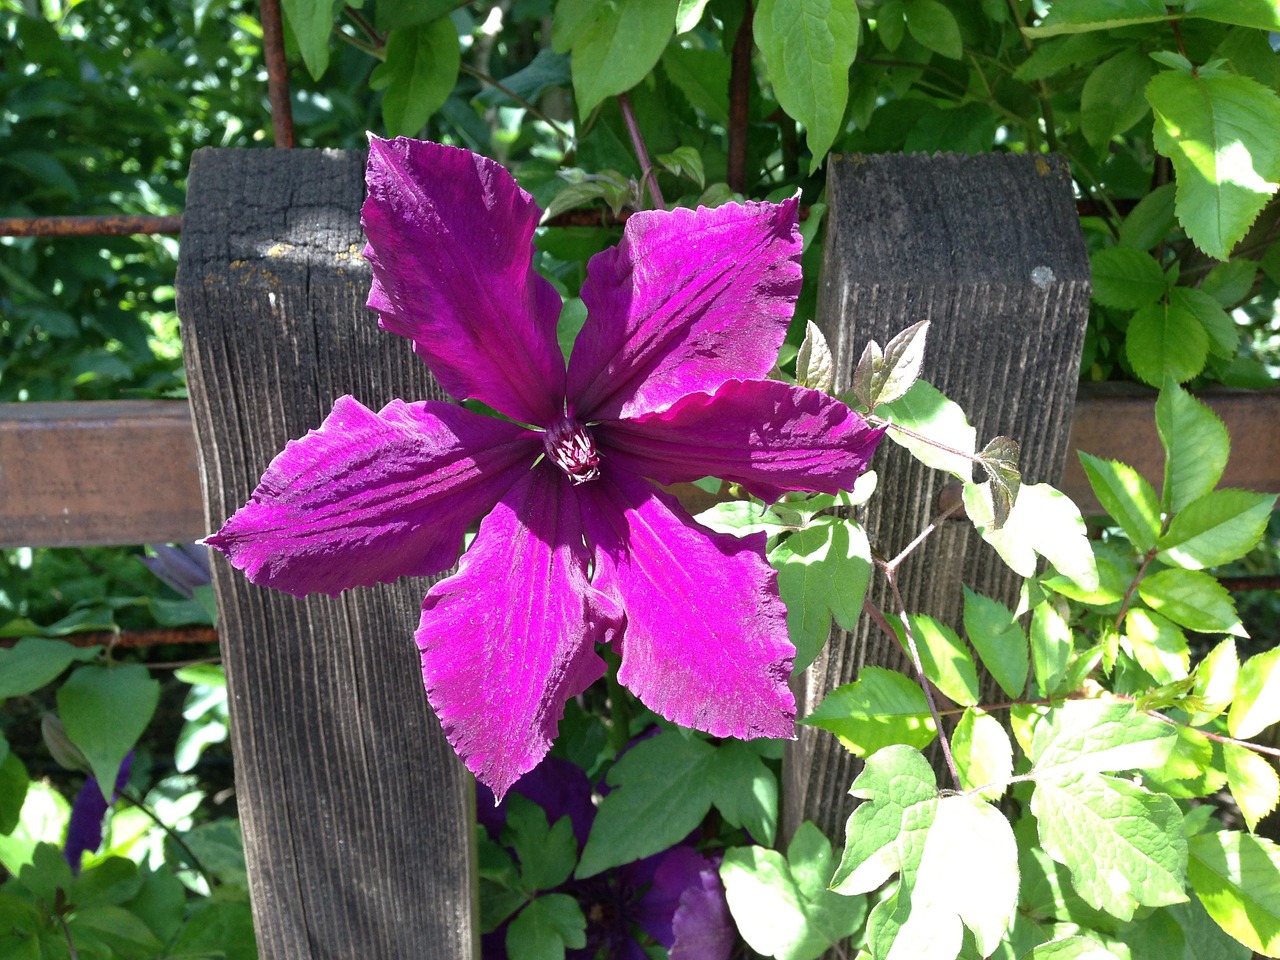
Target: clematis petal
{"points": [[451, 243], [766, 435], [370, 497], [702, 926], [677, 870], [510, 637], [689, 299], [705, 642]]}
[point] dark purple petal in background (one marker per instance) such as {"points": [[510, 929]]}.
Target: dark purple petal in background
{"points": [[370, 497], [559, 787], [84, 829], [184, 567], [702, 926], [688, 300], [769, 436], [451, 244]]}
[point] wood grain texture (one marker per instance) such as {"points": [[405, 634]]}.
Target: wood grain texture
{"points": [[357, 815], [988, 249]]}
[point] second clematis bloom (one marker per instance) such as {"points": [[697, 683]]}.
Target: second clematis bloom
{"points": [[577, 546]]}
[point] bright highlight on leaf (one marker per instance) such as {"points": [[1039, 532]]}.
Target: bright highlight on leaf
{"points": [[1237, 878]]}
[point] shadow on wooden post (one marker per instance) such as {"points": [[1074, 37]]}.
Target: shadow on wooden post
{"points": [[987, 248], [357, 816]]}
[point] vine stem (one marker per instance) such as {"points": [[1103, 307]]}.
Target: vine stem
{"points": [[647, 173], [169, 832], [908, 432]]}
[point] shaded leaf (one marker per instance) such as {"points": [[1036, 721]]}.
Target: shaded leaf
{"points": [[1236, 877], [998, 638]]}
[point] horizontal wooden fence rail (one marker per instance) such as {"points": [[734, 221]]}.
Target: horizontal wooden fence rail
{"points": [[125, 471]]}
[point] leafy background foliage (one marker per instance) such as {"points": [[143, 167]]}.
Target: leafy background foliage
{"points": [[1167, 114]]}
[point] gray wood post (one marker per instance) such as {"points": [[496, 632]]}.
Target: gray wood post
{"points": [[357, 816], [987, 248]]}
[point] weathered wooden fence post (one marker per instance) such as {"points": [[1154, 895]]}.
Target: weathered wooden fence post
{"points": [[987, 248], [357, 816]]}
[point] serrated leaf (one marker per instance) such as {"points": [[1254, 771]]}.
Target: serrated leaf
{"points": [[104, 711], [1217, 129], [685, 162], [1159, 647], [1111, 100], [823, 572], [311, 22], [1224, 336], [1221, 526], [703, 77], [1259, 14], [419, 72], [808, 47], [543, 929], [1253, 782], [1192, 599], [983, 754], [933, 26], [1165, 340], [781, 905], [1196, 447], [1043, 521], [1123, 845], [1070, 948], [1256, 705], [1215, 682], [644, 814], [1150, 221], [815, 366], [946, 660], [1127, 497], [925, 412], [1237, 878], [618, 47], [1098, 736], [998, 639], [1051, 648], [33, 662], [1082, 16], [879, 709], [1125, 278], [745, 790]]}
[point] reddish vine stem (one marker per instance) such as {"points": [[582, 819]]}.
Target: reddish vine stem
{"points": [[739, 102], [647, 173], [277, 74]]}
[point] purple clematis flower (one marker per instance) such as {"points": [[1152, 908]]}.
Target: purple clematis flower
{"points": [[576, 546]]}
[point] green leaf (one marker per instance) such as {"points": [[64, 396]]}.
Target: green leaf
{"points": [[1043, 521], [685, 162], [1127, 497], [745, 790], [945, 659], [815, 366], [879, 709], [1166, 340], [933, 26], [781, 905], [884, 377], [116, 928], [1082, 16], [105, 710], [662, 790], [216, 928], [1259, 14], [1159, 647], [925, 411], [1224, 336], [1215, 682], [996, 635], [983, 754], [618, 46], [219, 847], [1070, 948], [1150, 221], [395, 14], [311, 22], [1196, 447], [703, 77], [823, 572], [1217, 129], [1221, 526], [1098, 736], [13, 792], [689, 15], [1257, 696], [419, 72], [1253, 782], [1051, 647], [1192, 599], [742, 517], [1111, 100], [547, 853], [33, 662], [546, 927], [1123, 845], [1237, 878], [808, 47]]}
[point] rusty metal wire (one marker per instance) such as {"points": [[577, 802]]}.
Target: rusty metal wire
{"points": [[118, 225]]}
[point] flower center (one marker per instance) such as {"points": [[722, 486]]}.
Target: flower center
{"points": [[571, 448]]}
